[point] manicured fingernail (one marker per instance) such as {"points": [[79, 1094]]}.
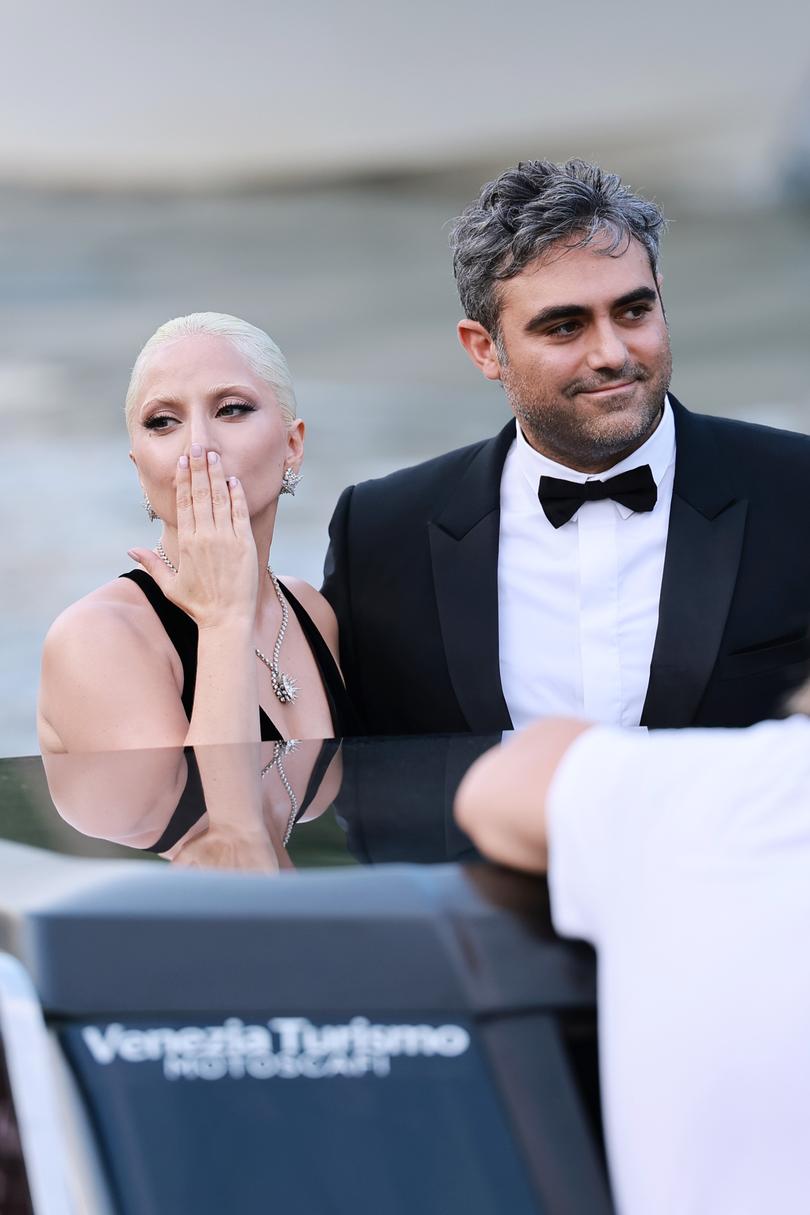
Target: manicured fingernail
{"points": [[131, 553], [233, 482], [196, 450], [182, 462], [212, 457]]}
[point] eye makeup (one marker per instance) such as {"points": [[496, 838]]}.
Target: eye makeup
{"points": [[226, 409]]}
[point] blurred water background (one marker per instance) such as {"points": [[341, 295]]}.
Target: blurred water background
{"points": [[150, 174]]}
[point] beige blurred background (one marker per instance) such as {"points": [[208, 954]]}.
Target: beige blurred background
{"points": [[297, 165]]}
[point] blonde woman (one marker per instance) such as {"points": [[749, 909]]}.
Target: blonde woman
{"points": [[202, 645]]}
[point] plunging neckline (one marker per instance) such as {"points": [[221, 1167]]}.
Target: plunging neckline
{"points": [[183, 634]]}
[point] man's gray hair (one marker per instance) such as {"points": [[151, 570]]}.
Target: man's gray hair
{"points": [[257, 348], [521, 214]]}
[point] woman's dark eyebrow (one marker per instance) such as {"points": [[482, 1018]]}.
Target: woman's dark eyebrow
{"points": [[567, 312]]}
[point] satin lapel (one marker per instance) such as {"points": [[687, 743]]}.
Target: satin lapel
{"points": [[464, 553], [704, 545]]}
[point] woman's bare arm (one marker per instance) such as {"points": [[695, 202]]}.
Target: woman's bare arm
{"points": [[216, 584]]}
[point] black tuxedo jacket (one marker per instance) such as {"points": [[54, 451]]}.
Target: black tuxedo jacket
{"points": [[412, 575]]}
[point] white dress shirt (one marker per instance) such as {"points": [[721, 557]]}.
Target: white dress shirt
{"points": [[578, 604], [684, 857]]}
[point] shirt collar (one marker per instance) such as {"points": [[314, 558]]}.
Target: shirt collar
{"points": [[658, 451]]}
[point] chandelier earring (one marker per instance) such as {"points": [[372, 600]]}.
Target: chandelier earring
{"points": [[290, 480], [147, 506]]}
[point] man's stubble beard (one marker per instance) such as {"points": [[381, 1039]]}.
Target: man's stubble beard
{"points": [[594, 439]]}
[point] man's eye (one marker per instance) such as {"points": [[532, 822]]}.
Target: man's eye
{"points": [[159, 421], [566, 329], [232, 409], [636, 311]]}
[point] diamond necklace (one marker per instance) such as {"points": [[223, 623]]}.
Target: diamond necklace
{"points": [[280, 750], [284, 686]]}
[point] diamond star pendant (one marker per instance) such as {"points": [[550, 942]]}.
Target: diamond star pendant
{"points": [[287, 688]]}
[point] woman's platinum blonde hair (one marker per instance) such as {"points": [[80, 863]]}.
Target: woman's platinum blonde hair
{"points": [[257, 348]]}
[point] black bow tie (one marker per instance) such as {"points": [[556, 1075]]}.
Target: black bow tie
{"points": [[561, 500]]}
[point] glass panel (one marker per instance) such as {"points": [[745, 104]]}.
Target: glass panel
{"points": [[259, 806]]}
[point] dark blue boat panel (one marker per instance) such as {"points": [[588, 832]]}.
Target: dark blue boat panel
{"points": [[303, 1117]]}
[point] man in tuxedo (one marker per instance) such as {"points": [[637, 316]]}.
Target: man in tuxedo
{"points": [[609, 554]]}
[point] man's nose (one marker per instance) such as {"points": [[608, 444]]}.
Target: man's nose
{"points": [[607, 350]]}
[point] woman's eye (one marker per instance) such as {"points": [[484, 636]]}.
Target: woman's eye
{"points": [[232, 409], [159, 421]]}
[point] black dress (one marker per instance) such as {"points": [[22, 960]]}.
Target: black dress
{"points": [[183, 633]]}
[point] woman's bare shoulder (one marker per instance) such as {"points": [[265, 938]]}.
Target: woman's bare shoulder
{"points": [[318, 608], [110, 676], [117, 607]]}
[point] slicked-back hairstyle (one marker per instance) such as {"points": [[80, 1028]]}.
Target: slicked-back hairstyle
{"points": [[521, 214], [257, 348]]}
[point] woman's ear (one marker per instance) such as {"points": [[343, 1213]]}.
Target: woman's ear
{"points": [[295, 443]]}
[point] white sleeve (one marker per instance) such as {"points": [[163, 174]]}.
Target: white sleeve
{"points": [[586, 802], [625, 807]]}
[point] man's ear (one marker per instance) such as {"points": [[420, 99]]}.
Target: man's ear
{"points": [[480, 347]]}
